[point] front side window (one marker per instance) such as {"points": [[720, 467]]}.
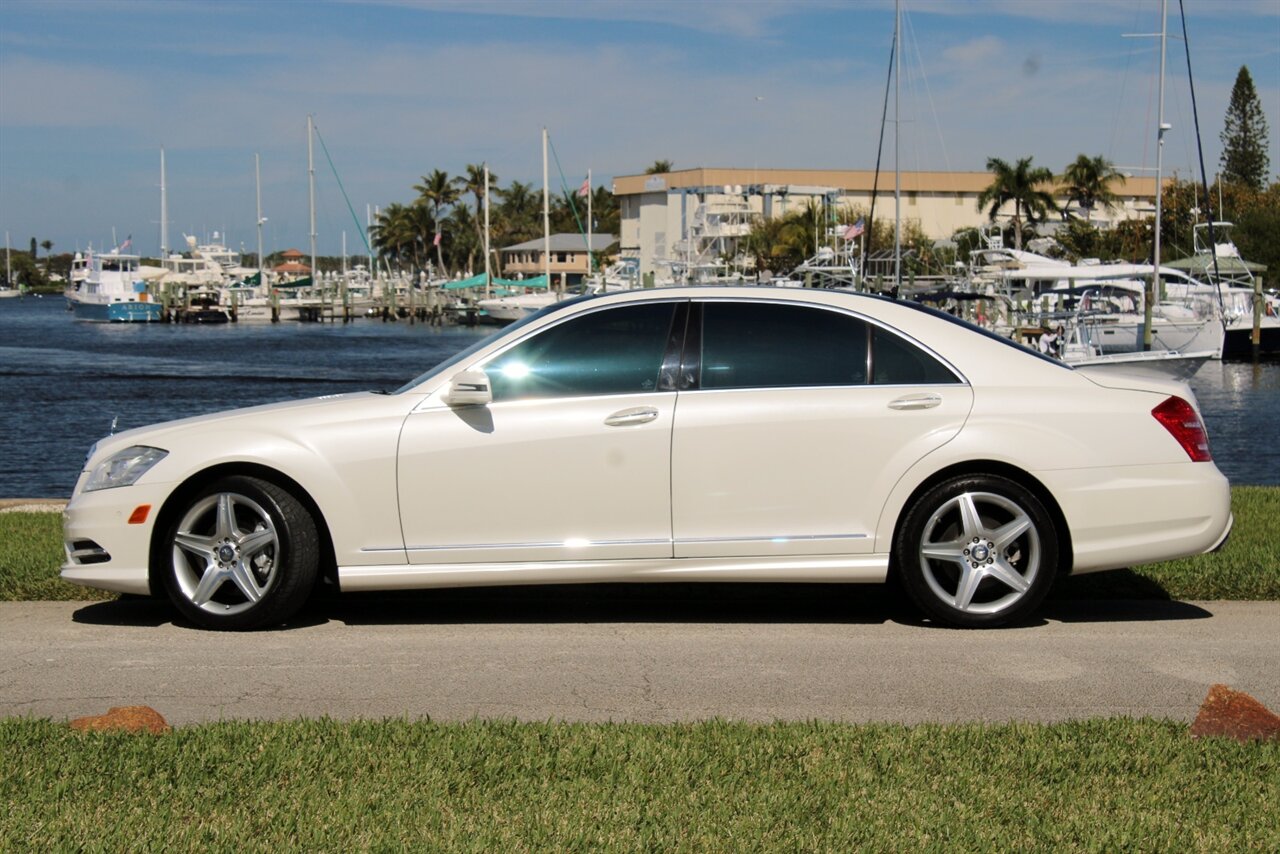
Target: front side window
{"points": [[612, 351], [767, 345]]}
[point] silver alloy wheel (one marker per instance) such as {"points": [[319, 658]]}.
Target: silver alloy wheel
{"points": [[225, 553], [980, 552]]}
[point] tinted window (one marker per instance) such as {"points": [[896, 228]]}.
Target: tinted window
{"points": [[614, 351], [896, 361], [763, 345]]}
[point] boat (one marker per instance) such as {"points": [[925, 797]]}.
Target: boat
{"points": [[203, 306], [1217, 262], [511, 307], [113, 289]]}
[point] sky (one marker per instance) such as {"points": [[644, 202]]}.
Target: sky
{"points": [[91, 90]]}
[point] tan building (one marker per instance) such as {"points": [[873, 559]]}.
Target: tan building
{"points": [[693, 215], [569, 259]]}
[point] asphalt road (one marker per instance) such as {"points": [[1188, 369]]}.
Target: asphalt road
{"points": [[649, 653]]}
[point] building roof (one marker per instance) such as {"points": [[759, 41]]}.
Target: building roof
{"points": [[567, 243], [291, 253], [858, 181], [291, 267]]}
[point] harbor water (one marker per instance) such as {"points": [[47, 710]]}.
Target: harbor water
{"points": [[63, 382]]}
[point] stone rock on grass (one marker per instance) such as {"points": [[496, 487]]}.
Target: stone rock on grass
{"points": [[126, 718], [1235, 714]]}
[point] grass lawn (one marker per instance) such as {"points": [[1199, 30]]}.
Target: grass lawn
{"points": [[1114, 784], [1247, 568]]}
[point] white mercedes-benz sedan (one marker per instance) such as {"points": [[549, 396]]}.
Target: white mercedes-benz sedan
{"points": [[684, 434]]}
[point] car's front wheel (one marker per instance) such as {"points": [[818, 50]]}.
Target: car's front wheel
{"points": [[977, 551], [242, 553]]}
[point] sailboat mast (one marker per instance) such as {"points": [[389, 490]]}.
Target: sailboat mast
{"points": [[311, 183], [257, 182], [488, 275], [897, 132], [164, 212], [546, 215], [591, 260], [1153, 289]]}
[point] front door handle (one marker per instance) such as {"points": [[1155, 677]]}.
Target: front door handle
{"points": [[628, 417], [916, 401]]}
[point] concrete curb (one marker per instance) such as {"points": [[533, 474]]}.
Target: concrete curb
{"points": [[32, 505]]}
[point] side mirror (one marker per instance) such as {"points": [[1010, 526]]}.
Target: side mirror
{"points": [[469, 388]]}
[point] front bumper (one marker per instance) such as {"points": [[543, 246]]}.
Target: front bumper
{"points": [[103, 550]]}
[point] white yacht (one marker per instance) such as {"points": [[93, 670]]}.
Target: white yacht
{"points": [[113, 289]]}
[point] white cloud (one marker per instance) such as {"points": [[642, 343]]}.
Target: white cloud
{"points": [[976, 50]]}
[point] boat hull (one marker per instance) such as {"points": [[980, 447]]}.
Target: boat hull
{"points": [[116, 312], [1239, 341]]}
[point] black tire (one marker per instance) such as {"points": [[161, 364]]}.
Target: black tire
{"points": [[977, 551], [242, 553]]}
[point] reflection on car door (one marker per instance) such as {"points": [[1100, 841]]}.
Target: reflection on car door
{"points": [[790, 442], [571, 461]]}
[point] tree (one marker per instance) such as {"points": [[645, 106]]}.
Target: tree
{"points": [[1018, 184], [1088, 182], [1244, 136], [473, 183], [437, 190], [605, 211], [402, 233], [466, 240], [660, 167]]}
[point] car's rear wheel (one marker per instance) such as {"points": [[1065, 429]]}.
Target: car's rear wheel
{"points": [[241, 553], [977, 551]]}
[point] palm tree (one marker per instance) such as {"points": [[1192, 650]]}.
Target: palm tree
{"points": [[48, 255], [604, 210], [660, 167], [395, 233], [466, 240], [473, 183], [1088, 181], [1017, 184], [519, 215], [437, 190]]}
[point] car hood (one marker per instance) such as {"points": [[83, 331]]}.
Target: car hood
{"points": [[285, 412]]}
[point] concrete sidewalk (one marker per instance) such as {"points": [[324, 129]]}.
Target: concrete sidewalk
{"points": [[640, 655]]}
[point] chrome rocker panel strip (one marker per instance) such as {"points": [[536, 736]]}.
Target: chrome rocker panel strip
{"points": [[873, 568]]}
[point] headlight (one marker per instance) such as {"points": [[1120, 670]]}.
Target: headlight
{"points": [[123, 468]]}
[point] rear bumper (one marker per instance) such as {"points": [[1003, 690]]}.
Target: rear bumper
{"points": [[1130, 515]]}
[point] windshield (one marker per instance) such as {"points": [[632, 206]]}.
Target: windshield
{"points": [[462, 356]]}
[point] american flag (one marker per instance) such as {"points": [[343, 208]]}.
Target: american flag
{"points": [[128, 241], [856, 229], [585, 189]]}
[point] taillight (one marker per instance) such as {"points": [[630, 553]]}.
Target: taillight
{"points": [[1183, 423]]}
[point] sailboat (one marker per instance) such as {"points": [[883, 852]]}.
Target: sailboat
{"points": [[7, 289], [512, 307]]}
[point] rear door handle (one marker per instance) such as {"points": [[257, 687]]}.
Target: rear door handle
{"points": [[628, 417], [916, 401]]}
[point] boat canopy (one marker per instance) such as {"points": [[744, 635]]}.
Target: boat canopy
{"points": [[1202, 265], [494, 281]]}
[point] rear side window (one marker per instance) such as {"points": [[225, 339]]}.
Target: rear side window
{"points": [[766, 345], [612, 351], [896, 361]]}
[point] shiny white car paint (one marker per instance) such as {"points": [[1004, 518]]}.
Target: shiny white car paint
{"points": [[779, 484]]}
